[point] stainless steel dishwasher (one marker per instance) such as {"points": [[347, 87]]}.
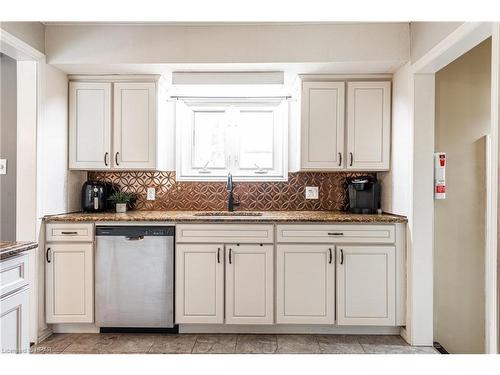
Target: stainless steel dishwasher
{"points": [[134, 276]]}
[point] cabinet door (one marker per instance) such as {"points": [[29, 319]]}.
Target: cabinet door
{"points": [[249, 284], [14, 319], [322, 126], [366, 286], [305, 284], [368, 125], [89, 125], [199, 286], [134, 131], [70, 283]]}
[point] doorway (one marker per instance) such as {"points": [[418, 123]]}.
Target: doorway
{"points": [[462, 123], [8, 147]]}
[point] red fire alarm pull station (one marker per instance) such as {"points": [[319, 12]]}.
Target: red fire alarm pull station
{"points": [[440, 175]]}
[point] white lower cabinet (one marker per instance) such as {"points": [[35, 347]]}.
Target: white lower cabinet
{"points": [[199, 287], [70, 283], [249, 284], [366, 285], [324, 274], [14, 319], [305, 284], [200, 291]]}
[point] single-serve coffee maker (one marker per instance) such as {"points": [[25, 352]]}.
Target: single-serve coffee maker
{"points": [[364, 195]]}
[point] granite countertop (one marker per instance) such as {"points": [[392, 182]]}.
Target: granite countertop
{"points": [[244, 216], [10, 248]]}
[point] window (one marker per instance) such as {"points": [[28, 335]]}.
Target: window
{"points": [[246, 137]]}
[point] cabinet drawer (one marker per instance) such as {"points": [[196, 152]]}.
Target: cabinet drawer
{"points": [[60, 232], [13, 274], [225, 233], [340, 233]]}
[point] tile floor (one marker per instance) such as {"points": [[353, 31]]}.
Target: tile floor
{"points": [[122, 343]]}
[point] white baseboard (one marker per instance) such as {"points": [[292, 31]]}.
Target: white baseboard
{"points": [[404, 335], [289, 329], [270, 329], [44, 333], [75, 328]]}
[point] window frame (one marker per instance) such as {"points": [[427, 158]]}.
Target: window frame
{"points": [[185, 115]]}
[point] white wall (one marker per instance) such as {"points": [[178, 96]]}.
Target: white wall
{"points": [[396, 190], [420, 249], [462, 120], [8, 147], [190, 44], [59, 188], [26, 179], [27, 118], [32, 33], [426, 35]]}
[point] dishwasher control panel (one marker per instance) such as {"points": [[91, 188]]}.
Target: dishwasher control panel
{"points": [[132, 230]]}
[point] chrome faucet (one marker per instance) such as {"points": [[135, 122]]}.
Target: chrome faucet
{"points": [[230, 199]]}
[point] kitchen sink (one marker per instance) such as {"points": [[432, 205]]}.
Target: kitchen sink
{"points": [[226, 213]]}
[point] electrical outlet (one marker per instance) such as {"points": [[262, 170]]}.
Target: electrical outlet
{"points": [[3, 166], [151, 194], [311, 192]]}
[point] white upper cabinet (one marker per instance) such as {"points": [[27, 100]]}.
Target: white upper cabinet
{"points": [[322, 138], [363, 144], [127, 132], [368, 125], [134, 125], [89, 125]]}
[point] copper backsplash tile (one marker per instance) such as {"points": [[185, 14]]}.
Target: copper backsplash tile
{"points": [[254, 196]]}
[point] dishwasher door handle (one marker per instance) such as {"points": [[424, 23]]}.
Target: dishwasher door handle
{"points": [[135, 238]]}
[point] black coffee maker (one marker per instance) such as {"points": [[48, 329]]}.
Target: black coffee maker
{"points": [[364, 195]]}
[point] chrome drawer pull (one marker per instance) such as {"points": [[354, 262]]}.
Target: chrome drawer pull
{"points": [[335, 233], [70, 233]]}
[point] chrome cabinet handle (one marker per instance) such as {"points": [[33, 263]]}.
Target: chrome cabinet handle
{"points": [[106, 155], [335, 233], [340, 159], [330, 256], [218, 255], [230, 258], [116, 158], [341, 256], [352, 158], [47, 255]]}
